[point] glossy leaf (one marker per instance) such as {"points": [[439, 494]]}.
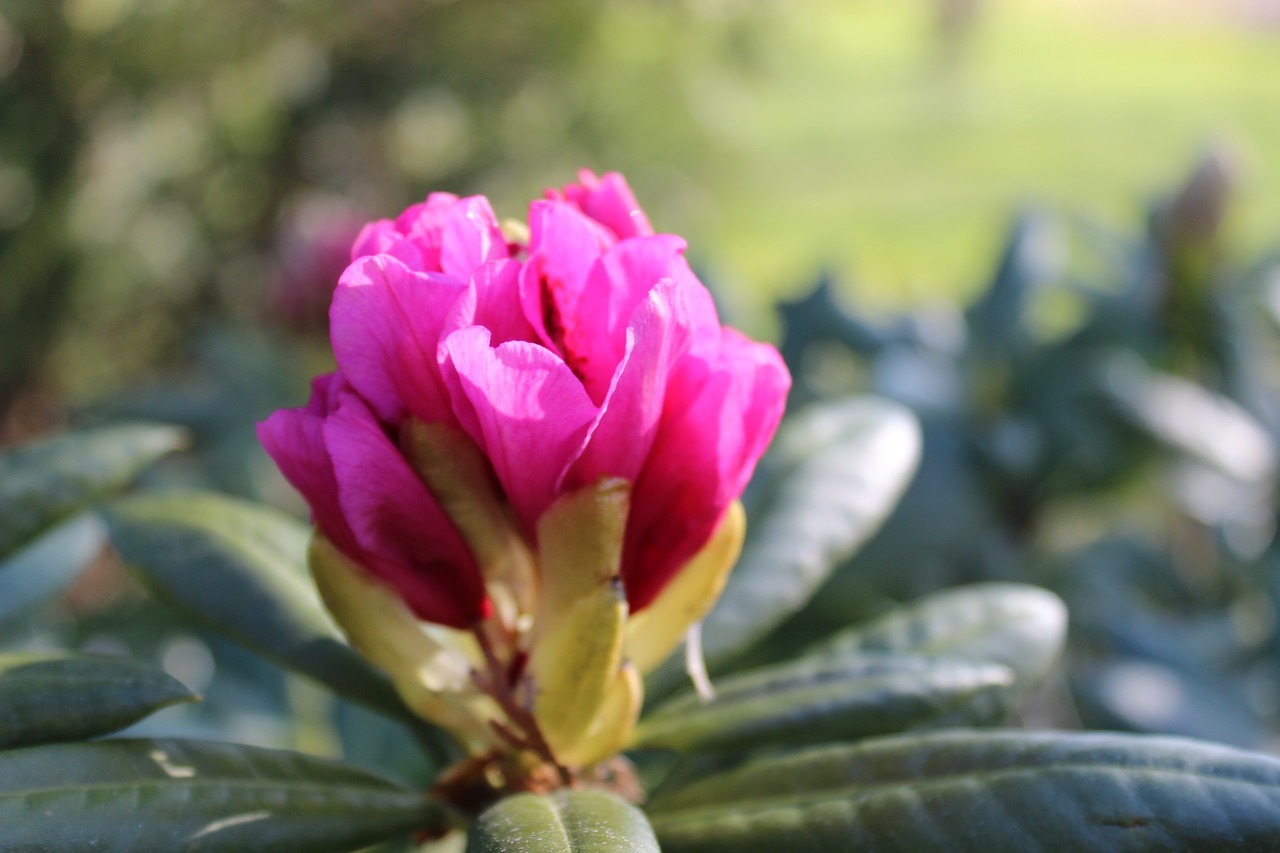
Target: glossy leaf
{"points": [[240, 569], [1020, 626], [836, 471], [44, 483], [835, 698], [985, 792], [143, 796], [567, 821], [54, 697], [42, 569]]}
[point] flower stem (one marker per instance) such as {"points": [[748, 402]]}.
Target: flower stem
{"points": [[502, 682]]}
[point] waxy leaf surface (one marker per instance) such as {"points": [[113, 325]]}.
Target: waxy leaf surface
{"points": [[145, 796], [54, 697], [836, 698], [240, 569], [984, 792], [565, 822]]}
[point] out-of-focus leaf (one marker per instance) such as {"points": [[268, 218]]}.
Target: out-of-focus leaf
{"points": [[838, 697], [1147, 696], [564, 822], [44, 567], [44, 483], [1193, 420], [53, 697], [822, 343], [240, 569], [144, 796], [836, 471], [985, 792], [1032, 257], [1020, 626]]}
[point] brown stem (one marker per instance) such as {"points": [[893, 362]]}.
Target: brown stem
{"points": [[500, 688]]}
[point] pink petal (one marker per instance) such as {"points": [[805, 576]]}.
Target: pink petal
{"points": [[385, 324], [470, 237], [563, 248], [492, 300], [720, 416], [609, 201], [382, 238], [295, 440], [423, 221], [524, 407], [423, 225], [405, 536], [658, 335], [325, 390], [622, 280]]}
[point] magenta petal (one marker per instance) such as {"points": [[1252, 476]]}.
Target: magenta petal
{"points": [[492, 300], [423, 225], [524, 407], [657, 337], [382, 238], [325, 389], [617, 285], [564, 245], [471, 237], [424, 220], [609, 201], [720, 416], [623, 278], [385, 324], [294, 439], [759, 395], [406, 537]]}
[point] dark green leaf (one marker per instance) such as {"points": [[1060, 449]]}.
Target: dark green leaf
{"points": [[1020, 626], [44, 483], [46, 566], [144, 796], [985, 792], [835, 698], [240, 568], [564, 822], [52, 697], [836, 471]]}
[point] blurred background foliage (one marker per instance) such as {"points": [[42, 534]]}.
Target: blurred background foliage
{"points": [[161, 162], [179, 182]]}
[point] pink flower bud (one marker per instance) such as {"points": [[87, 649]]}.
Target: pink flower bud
{"points": [[589, 352]]}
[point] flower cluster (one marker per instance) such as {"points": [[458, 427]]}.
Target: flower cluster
{"points": [[524, 472]]}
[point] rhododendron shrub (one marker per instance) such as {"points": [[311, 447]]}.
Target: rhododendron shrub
{"points": [[524, 472], [524, 478]]}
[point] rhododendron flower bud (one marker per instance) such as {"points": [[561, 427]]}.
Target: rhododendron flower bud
{"points": [[524, 472]]}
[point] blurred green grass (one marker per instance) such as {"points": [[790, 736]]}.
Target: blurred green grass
{"points": [[860, 145]]}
